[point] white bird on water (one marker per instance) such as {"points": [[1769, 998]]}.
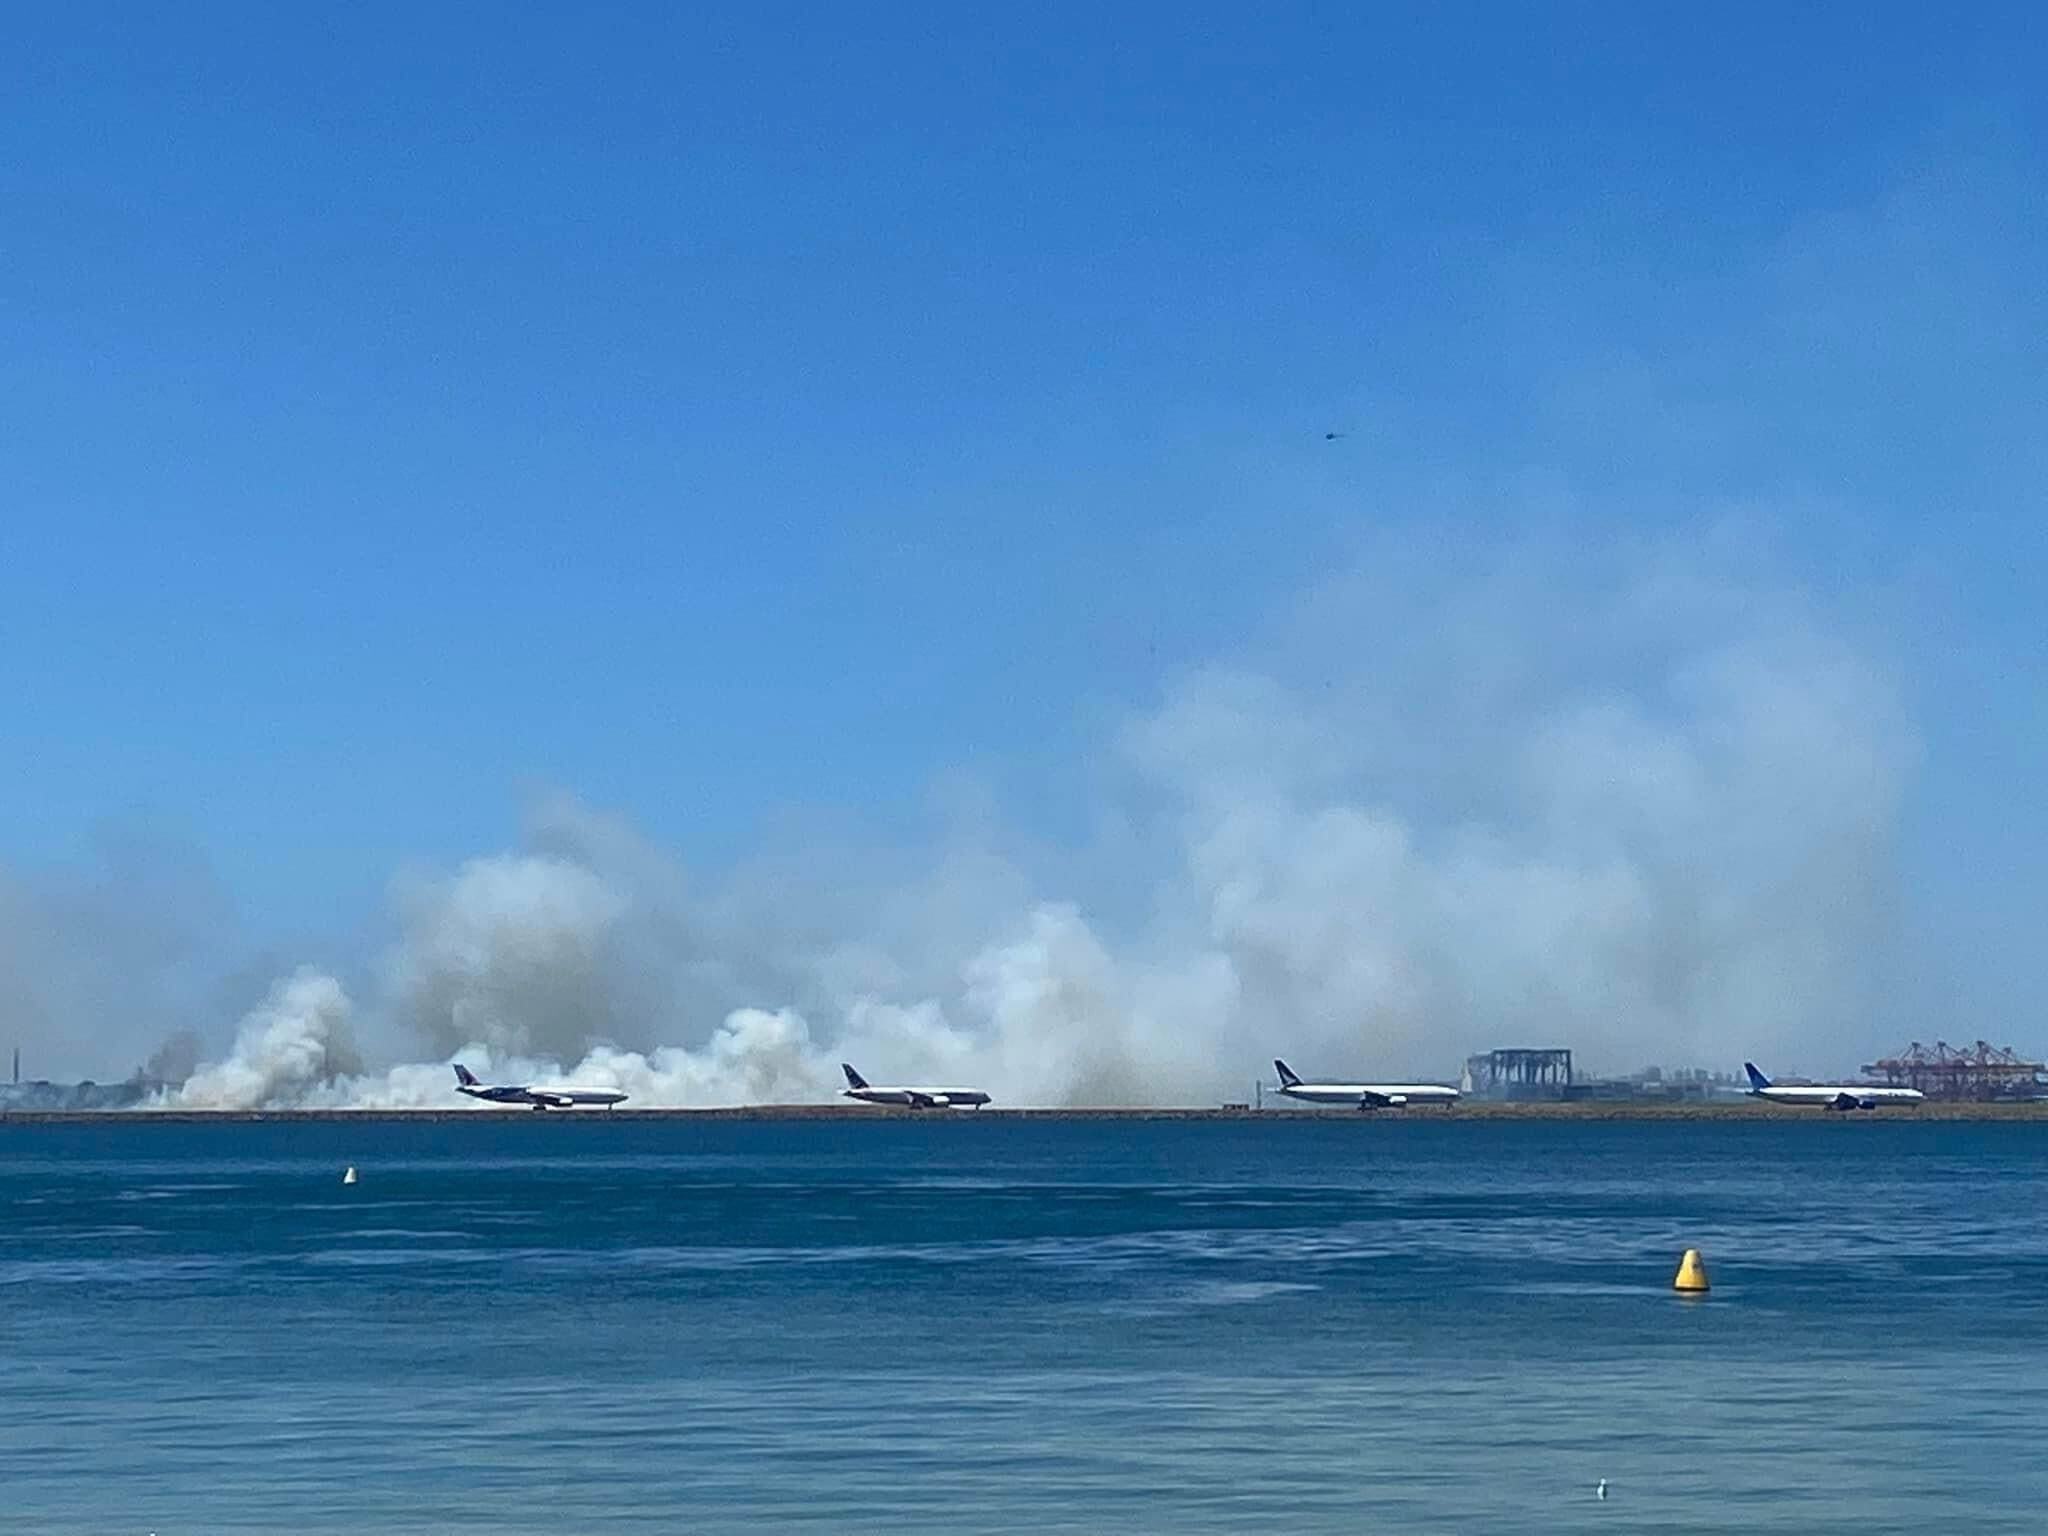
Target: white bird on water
{"points": [[349, 1174], [1600, 1489]]}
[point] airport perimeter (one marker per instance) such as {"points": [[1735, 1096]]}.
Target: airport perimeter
{"points": [[1467, 1112]]}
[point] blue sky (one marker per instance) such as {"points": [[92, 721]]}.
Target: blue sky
{"points": [[744, 417]]}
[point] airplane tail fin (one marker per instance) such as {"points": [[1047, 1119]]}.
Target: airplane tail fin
{"points": [[1287, 1077], [464, 1076], [853, 1078], [1756, 1079]]}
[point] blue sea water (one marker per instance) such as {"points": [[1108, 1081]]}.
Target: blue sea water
{"points": [[972, 1324]]}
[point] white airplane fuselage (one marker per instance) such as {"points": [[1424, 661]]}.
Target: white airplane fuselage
{"points": [[1831, 1095], [919, 1098], [531, 1097], [1840, 1096], [1363, 1095], [546, 1098], [858, 1087], [1352, 1095]]}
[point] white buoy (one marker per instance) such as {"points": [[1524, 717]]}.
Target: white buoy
{"points": [[349, 1175], [1600, 1489]]}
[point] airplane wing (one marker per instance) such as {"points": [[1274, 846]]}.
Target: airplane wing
{"points": [[1845, 1101], [921, 1100], [552, 1100], [1384, 1100]]}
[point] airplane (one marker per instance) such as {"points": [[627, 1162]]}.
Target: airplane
{"points": [[539, 1098], [1362, 1095], [1842, 1096], [858, 1087]]}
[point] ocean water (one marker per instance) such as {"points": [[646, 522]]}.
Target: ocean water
{"points": [[967, 1324]]}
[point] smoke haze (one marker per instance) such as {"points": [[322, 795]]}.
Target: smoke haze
{"points": [[114, 949], [293, 1046], [1643, 806]]}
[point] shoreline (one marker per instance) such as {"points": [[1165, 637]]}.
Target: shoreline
{"points": [[1959, 1111]]}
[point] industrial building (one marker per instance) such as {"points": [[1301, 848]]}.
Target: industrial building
{"points": [[1943, 1071], [1519, 1074], [38, 1095]]}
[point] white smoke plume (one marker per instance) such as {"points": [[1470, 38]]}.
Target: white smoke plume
{"points": [[512, 953], [1642, 807], [294, 1044]]}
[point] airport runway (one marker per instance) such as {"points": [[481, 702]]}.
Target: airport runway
{"points": [[1464, 1112]]}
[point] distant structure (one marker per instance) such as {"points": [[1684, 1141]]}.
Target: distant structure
{"points": [[39, 1095], [1519, 1074], [1979, 1072], [1659, 1085]]}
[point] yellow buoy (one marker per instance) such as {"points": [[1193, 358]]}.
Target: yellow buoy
{"points": [[1692, 1274]]}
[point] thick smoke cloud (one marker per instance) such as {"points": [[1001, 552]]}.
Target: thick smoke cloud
{"points": [[175, 1060], [107, 960], [294, 1044], [1643, 807], [515, 953]]}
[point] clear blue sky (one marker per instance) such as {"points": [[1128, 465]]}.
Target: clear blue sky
{"points": [[714, 411]]}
